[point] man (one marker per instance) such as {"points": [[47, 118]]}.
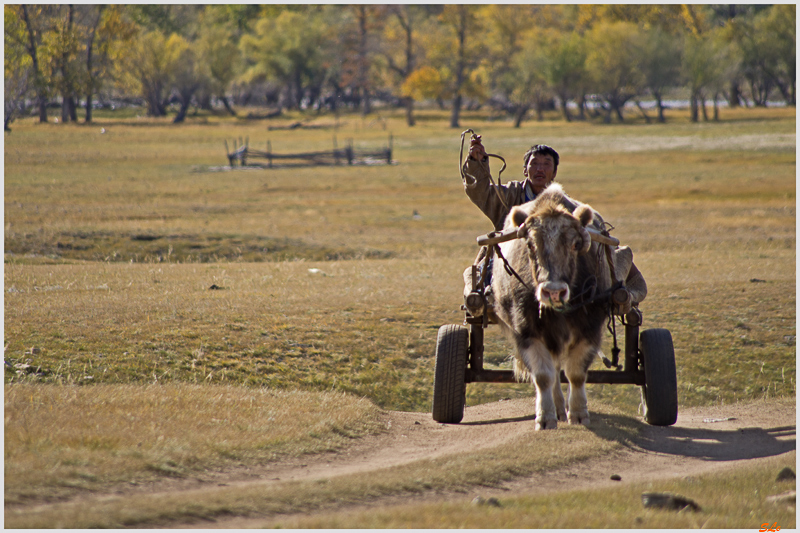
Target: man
{"points": [[540, 169]]}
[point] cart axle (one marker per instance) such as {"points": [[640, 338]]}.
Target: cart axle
{"points": [[595, 376]]}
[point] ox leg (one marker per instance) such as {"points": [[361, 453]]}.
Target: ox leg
{"points": [[558, 396], [543, 372], [576, 368]]}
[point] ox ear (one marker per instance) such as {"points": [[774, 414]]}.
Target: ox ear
{"points": [[518, 216], [585, 214]]}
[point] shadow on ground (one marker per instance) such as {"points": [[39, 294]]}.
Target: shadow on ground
{"points": [[724, 444]]}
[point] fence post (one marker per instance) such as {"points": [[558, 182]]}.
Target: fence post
{"points": [[349, 152], [335, 151], [269, 154], [389, 151]]}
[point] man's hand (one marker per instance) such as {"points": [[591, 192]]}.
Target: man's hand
{"points": [[476, 149]]}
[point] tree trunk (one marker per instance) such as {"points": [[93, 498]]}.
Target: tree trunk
{"points": [[64, 109], [565, 110], [67, 99], [72, 107], [660, 106], [716, 107], [734, 97], [460, 66], [88, 117], [90, 87], [41, 95], [693, 107], [519, 115], [456, 111], [703, 107], [409, 105], [618, 110], [641, 110], [227, 105], [184, 109], [363, 62]]}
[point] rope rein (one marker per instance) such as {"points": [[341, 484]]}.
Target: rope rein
{"points": [[464, 174]]}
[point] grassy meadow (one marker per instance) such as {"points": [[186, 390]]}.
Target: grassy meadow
{"points": [[134, 258], [113, 240]]}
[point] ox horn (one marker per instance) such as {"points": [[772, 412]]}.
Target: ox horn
{"points": [[602, 239]]}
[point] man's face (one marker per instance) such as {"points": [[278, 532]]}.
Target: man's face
{"points": [[541, 170]]}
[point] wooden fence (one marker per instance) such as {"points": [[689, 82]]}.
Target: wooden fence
{"points": [[244, 155]]}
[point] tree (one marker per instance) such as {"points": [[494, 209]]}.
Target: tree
{"points": [[611, 64], [400, 50], [108, 34], [17, 67], [527, 85], [659, 61], [148, 71], [424, 83], [34, 19], [288, 49], [778, 26], [456, 51], [766, 42], [565, 68], [708, 65], [506, 27], [218, 59], [62, 44], [186, 79]]}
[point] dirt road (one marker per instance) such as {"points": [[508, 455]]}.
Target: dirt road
{"points": [[703, 440]]}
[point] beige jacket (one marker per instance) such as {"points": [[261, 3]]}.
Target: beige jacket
{"points": [[487, 196]]}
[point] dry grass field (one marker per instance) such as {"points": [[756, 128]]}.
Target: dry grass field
{"points": [[133, 258]]}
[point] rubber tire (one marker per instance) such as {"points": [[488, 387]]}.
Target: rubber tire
{"points": [[449, 387], [660, 392]]}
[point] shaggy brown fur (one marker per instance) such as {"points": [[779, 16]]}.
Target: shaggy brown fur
{"points": [[557, 261]]}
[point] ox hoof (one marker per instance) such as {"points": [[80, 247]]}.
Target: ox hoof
{"points": [[581, 419], [562, 417], [551, 423]]}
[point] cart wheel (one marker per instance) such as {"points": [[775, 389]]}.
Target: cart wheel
{"points": [[660, 392], [449, 387]]}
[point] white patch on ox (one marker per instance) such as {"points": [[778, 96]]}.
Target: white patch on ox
{"points": [[543, 373], [578, 411]]}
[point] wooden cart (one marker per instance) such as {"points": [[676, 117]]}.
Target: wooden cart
{"points": [[649, 358]]}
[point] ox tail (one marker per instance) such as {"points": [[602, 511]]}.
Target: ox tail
{"points": [[521, 372]]}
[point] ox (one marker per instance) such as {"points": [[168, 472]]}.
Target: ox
{"points": [[543, 302]]}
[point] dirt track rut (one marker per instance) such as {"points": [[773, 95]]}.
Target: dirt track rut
{"points": [[703, 440]]}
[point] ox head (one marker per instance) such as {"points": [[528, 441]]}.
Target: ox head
{"points": [[554, 237]]}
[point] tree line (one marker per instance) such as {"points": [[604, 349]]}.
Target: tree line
{"points": [[585, 60]]}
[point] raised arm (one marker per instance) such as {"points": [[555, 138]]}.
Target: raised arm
{"points": [[479, 188]]}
